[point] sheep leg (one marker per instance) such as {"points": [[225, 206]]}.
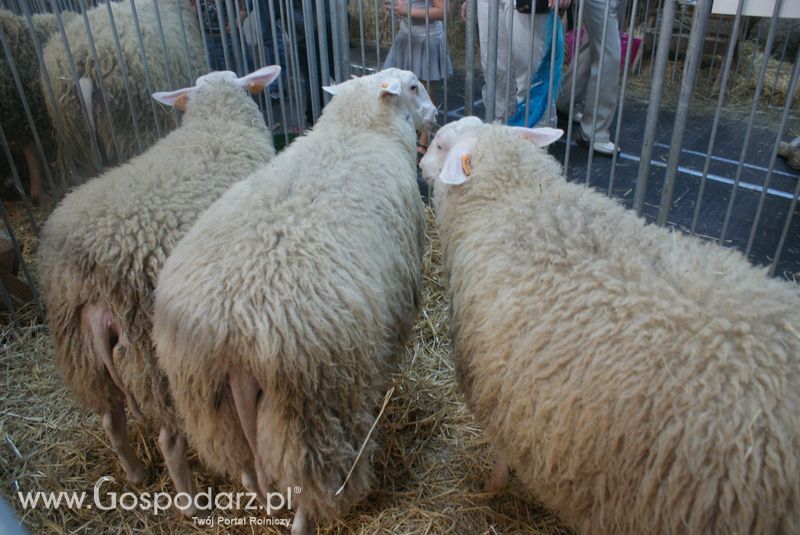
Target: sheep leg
{"points": [[173, 447], [103, 329], [499, 477], [302, 524], [115, 424], [34, 172], [245, 390]]}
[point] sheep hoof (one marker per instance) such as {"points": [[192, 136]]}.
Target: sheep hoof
{"points": [[499, 477], [136, 476]]}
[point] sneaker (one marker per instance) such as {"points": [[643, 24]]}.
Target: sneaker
{"points": [[606, 148], [577, 117]]}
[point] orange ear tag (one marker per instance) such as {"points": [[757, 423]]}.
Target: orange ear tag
{"points": [[255, 88], [384, 85], [466, 165], [181, 101]]}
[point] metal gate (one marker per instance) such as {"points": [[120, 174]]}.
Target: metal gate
{"points": [[703, 99]]}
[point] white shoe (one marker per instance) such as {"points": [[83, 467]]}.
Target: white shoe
{"points": [[577, 117], [606, 148]]}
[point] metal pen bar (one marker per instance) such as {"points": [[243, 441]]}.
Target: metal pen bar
{"points": [[145, 66], [378, 63], [123, 69], [276, 49], [592, 136], [714, 51], [189, 72], [18, 183], [787, 38], [574, 66], [87, 113], [443, 61], [167, 68], [311, 53], [657, 85], [645, 14], [491, 61], [508, 62], [234, 33], [14, 242], [749, 130], [26, 109], [625, 71], [298, 79], [531, 44], [661, 8], [241, 40], [322, 34], [337, 52], [553, 45], [361, 36], [48, 89], [295, 95], [202, 15], [100, 80], [787, 107], [678, 45], [392, 21], [726, 69], [410, 23], [344, 36], [691, 68], [223, 41], [428, 44], [469, 58]]}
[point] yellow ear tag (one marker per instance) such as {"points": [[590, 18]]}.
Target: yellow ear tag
{"points": [[466, 165], [181, 101], [384, 85], [255, 88]]}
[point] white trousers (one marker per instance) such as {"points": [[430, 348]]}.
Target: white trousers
{"points": [[590, 75], [512, 82]]}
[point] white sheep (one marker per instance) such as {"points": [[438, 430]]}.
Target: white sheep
{"points": [[278, 316], [173, 64], [638, 380], [103, 247]]}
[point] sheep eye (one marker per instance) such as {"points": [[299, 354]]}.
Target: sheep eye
{"points": [[414, 88], [438, 146]]}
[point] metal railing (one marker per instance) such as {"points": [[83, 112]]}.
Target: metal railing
{"points": [[703, 100]]}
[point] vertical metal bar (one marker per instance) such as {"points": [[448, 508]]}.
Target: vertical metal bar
{"points": [[787, 107], [12, 65], [678, 45], [189, 72], [293, 73], [510, 49], [322, 34], [145, 66], [337, 53], [223, 36], [645, 18], [428, 43], [787, 38], [574, 67], [469, 58], [408, 19], [392, 21], [625, 70], [15, 244], [749, 130], [125, 83], [311, 52], [726, 70], [18, 183], [491, 61], [378, 63], [657, 84], [694, 53], [553, 66], [657, 33], [361, 36], [75, 79], [344, 36], [231, 18], [242, 40], [597, 89], [531, 44], [100, 81], [167, 69], [202, 15], [443, 61], [296, 59], [714, 52]]}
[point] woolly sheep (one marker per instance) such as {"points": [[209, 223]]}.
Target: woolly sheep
{"points": [[278, 315], [15, 125], [185, 60], [102, 248], [638, 380]]}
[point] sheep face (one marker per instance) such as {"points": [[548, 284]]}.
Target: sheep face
{"points": [[411, 95], [451, 158], [254, 82]]}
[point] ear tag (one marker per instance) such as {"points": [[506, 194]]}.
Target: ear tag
{"points": [[466, 164]]}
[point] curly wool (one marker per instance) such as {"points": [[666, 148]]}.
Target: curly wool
{"points": [[185, 62], [638, 380], [107, 241], [310, 280]]}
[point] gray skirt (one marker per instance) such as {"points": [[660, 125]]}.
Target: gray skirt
{"points": [[417, 60]]}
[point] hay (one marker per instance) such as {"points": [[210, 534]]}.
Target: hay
{"points": [[429, 469]]}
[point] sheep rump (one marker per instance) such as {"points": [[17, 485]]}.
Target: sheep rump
{"points": [[315, 295], [76, 139], [640, 381], [107, 241]]}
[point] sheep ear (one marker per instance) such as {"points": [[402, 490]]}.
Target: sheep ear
{"points": [[256, 81], [176, 99], [541, 137], [390, 87], [458, 166], [330, 89]]}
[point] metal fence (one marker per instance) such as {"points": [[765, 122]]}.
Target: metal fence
{"points": [[703, 100]]}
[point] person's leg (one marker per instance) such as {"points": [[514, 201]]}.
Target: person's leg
{"points": [[504, 80], [482, 14], [608, 77], [584, 59], [521, 55]]}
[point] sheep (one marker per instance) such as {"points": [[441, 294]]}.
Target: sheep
{"points": [[103, 247], [16, 127], [638, 380], [92, 120], [791, 151], [278, 350]]}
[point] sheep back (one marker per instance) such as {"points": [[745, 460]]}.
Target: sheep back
{"points": [[639, 380]]}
